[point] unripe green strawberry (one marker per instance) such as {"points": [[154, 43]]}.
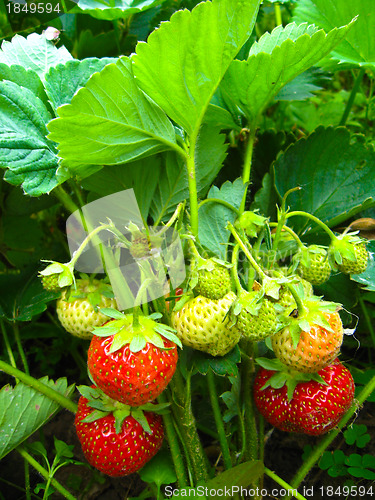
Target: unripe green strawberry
{"points": [[286, 299], [257, 317], [202, 324], [50, 282], [359, 265], [348, 253], [314, 265], [214, 280], [77, 313]]}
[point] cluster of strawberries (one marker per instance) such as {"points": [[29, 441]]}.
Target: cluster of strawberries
{"points": [[132, 358]]}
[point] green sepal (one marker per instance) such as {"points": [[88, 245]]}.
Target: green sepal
{"points": [[251, 223], [95, 415], [271, 287], [285, 376], [120, 415], [112, 313], [184, 299], [65, 272], [105, 331], [139, 342], [103, 405], [139, 416]]}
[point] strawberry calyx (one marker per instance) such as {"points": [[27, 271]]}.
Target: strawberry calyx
{"points": [[286, 376], [103, 405], [311, 313], [251, 222], [61, 274], [90, 289], [124, 331], [342, 247]]}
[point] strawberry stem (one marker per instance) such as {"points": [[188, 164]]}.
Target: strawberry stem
{"points": [[284, 484], [315, 219], [39, 386], [318, 451], [246, 251], [234, 269], [247, 375], [290, 231], [218, 419], [45, 473], [181, 406], [174, 446]]}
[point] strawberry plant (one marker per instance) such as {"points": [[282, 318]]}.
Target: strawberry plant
{"points": [[186, 261]]}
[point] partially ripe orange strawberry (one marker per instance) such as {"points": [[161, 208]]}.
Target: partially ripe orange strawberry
{"points": [[318, 344]]}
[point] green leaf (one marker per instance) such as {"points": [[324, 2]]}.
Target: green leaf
{"points": [[24, 77], [159, 470], [302, 86], [24, 149], [335, 171], [23, 410], [64, 80], [142, 175], [241, 475], [208, 38], [358, 47], [357, 434], [110, 121], [222, 365], [114, 9], [173, 188], [34, 52], [213, 217], [25, 297], [274, 61]]}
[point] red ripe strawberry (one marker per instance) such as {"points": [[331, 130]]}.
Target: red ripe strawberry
{"points": [[117, 453], [312, 407], [134, 364]]}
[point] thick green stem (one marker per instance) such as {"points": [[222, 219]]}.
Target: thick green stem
{"points": [[278, 18], [251, 434], [186, 422], [65, 199], [220, 202], [39, 386], [246, 169], [7, 345], [218, 419], [174, 446], [318, 451], [246, 251], [45, 473], [16, 332], [193, 194], [292, 491], [324, 226], [353, 93], [234, 269]]}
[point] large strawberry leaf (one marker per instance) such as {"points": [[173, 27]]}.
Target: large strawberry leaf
{"points": [[23, 410], [358, 46], [63, 81], [114, 9], [276, 59], [173, 188], [24, 149], [110, 121], [25, 78], [335, 171], [213, 216], [25, 297], [34, 52], [141, 175], [183, 61]]}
